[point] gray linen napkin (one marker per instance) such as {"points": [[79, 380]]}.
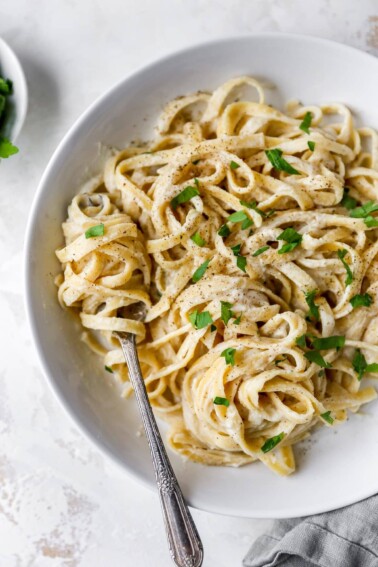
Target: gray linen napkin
{"points": [[343, 538]]}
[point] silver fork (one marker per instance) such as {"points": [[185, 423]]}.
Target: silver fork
{"points": [[185, 545]]}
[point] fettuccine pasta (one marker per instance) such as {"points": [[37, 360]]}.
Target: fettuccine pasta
{"points": [[250, 235]]}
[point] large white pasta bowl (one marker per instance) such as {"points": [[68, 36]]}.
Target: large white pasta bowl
{"points": [[336, 467]]}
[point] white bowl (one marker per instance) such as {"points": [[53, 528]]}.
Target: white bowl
{"points": [[341, 465], [10, 68]]}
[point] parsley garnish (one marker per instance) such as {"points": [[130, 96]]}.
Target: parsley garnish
{"points": [[347, 201], [315, 356], [184, 196], [6, 86], [108, 369], [327, 417], [311, 145], [200, 271], [236, 249], [361, 366], [226, 311], [341, 254], [7, 149], [326, 343], [237, 320], [371, 222], [301, 341], [260, 251], [234, 165], [197, 239], [218, 401], [306, 123], [238, 216], [97, 230], [229, 356], [241, 263], [359, 300], [246, 223], [196, 183], [365, 210], [253, 205], [310, 300], [200, 320], [279, 163], [224, 231], [293, 239], [213, 328], [272, 442]]}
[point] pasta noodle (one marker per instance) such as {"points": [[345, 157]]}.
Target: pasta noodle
{"points": [[250, 236]]}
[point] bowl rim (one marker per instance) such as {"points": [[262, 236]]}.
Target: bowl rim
{"points": [[24, 95], [294, 511]]}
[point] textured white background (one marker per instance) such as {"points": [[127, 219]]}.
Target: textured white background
{"points": [[61, 503]]}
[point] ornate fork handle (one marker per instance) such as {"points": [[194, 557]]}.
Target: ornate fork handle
{"points": [[184, 542]]}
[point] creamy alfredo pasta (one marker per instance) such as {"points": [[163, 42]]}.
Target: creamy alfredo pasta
{"points": [[251, 236]]}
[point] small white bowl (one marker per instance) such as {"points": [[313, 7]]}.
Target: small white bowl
{"points": [[10, 68]]}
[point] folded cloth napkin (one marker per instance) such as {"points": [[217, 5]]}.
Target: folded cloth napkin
{"points": [[343, 538]]}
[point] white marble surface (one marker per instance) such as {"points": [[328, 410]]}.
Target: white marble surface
{"points": [[61, 503]]}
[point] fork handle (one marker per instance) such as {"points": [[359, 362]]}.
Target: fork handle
{"points": [[185, 545]]}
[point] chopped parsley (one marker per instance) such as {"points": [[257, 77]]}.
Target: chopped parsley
{"points": [[341, 254], [327, 343], [361, 366], [6, 86], [253, 205], [240, 216], [218, 401], [226, 311], [311, 145], [200, 320], [197, 239], [236, 249], [347, 201], [224, 231], [229, 356], [234, 165], [260, 251], [108, 369], [301, 341], [327, 417], [184, 196], [313, 308], [200, 271], [359, 300], [272, 442], [196, 183], [371, 222], [247, 223], [306, 123], [279, 163], [292, 239], [7, 149], [241, 263], [315, 356], [237, 320], [365, 210], [98, 230], [213, 328]]}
